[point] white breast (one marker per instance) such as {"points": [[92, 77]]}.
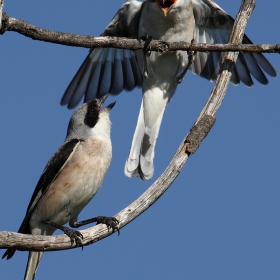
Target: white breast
{"points": [[177, 25]]}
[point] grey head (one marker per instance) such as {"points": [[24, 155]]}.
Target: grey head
{"points": [[86, 117]]}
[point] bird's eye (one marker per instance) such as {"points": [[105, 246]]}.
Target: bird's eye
{"points": [[92, 115]]}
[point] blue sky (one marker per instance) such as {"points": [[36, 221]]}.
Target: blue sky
{"points": [[219, 219]]}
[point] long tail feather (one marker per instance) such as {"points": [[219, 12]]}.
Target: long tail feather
{"points": [[140, 160], [34, 259]]}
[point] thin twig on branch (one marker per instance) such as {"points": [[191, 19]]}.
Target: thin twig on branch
{"points": [[68, 39], [189, 145], [1, 9]]}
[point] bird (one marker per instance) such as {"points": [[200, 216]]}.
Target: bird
{"points": [[112, 70], [70, 180]]}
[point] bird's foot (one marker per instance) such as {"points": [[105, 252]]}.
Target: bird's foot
{"points": [[147, 48], [147, 52], [74, 235], [110, 222], [191, 58], [191, 55]]}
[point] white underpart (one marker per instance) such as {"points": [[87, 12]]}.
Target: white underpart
{"points": [[160, 83]]}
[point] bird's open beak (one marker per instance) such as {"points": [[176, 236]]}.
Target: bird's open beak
{"points": [[110, 106], [102, 100], [165, 5]]}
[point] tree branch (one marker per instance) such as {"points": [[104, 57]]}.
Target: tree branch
{"points": [[189, 145], [1, 9], [68, 39]]}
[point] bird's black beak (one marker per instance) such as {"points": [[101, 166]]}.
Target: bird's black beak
{"points": [[110, 106], [102, 99]]}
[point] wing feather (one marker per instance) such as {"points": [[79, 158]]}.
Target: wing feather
{"points": [[50, 173], [213, 25], [109, 70]]}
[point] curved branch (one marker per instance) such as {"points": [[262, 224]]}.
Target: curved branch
{"points": [[68, 39], [189, 145]]}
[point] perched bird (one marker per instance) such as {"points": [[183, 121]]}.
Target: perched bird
{"points": [[70, 179], [110, 70]]}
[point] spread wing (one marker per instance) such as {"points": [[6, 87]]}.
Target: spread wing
{"points": [[109, 70], [213, 26]]}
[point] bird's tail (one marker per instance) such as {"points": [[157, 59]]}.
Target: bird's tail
{"points": [[34, 259], [140, 160]]}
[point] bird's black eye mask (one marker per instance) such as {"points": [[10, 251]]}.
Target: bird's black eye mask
{"points": [[92, 114]]}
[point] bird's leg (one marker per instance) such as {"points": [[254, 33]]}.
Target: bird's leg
{"points": [[191, 58], [110, 222], [73, 234], [147, 52]]}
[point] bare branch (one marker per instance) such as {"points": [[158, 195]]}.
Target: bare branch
{"points": [[68, 39], [1, 9], [189, 145]]}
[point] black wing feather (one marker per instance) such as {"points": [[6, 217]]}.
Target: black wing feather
{"points": [[108, 70], [50, 173]]}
